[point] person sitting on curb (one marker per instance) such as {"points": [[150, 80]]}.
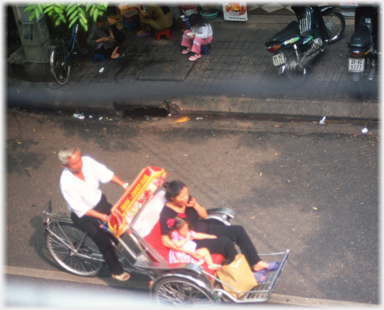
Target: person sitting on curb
{"points": [[156, 18], [200, 34], [105, 39]]}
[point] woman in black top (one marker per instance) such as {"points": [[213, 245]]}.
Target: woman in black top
{"points": [[179, 201]]}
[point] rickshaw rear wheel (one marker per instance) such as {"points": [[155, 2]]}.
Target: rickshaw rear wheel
{"points": [[178, 291]]}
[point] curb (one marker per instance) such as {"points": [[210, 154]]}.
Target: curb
{"points": [[293, 108], [200, 105]]}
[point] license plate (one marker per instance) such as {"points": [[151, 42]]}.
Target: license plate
{"points": [[356, 65], [278, 60]]}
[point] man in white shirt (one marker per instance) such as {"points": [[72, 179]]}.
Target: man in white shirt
{"points": [[79, 185]]}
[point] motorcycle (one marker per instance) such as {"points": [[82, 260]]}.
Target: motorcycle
{"points": [[298, 44], [363, 47]]}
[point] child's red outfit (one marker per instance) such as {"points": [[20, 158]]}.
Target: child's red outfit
{"points": [[203, 37], [181, 257]]}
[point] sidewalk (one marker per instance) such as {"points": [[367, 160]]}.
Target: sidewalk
{"points": [[237, 77]]}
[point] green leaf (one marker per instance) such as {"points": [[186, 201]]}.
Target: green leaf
{"points": [[75, 13], [95, 14], [70, 6], [41, 8], [31, 15], [82, 17], [73, 21], [37, 13], [29, 8], [48, 10], [81, 22], [81, 11], [89, 6], [71, 10]]}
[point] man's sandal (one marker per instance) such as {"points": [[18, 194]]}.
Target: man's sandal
{"points": [[123, 277]]}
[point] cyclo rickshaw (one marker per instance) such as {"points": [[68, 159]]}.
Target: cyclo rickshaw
{"points": [[134, 221]]}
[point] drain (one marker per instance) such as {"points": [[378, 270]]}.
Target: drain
{"points": [[142, 112]]}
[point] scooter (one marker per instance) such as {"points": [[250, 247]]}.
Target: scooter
{"points": [[363, 47], [298, 44]]}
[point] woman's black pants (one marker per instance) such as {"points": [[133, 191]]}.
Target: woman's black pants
{"points": [[119, 37], [101, 237], [224, 244]]}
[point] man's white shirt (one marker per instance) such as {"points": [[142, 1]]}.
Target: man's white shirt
{"points": [[80, 195]]}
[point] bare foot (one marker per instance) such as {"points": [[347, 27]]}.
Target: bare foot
{"points": [[260, 266], [141, 32], [114, 56], [214, 267]]}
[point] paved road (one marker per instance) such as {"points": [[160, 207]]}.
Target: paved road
{"points": [[310, 188]]}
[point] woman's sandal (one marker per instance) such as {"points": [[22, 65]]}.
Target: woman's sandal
{"points": [[186, 51], [272, 266], [194, 57], [258, 275], [122, 277]]}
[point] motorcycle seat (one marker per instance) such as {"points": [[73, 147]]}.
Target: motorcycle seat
{"points": [[288, 32], [362, 38]]}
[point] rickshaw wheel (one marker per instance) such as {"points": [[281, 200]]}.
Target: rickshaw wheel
{"points": [[62, 243], [177, 291]]}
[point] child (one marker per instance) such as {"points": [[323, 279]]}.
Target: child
{"points": [[201, 34], [182, 236]]}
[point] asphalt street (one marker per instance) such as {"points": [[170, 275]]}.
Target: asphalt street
{"points": [[303, 186]]}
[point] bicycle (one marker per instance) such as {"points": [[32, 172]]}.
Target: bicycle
{"points": [[62, 56]]}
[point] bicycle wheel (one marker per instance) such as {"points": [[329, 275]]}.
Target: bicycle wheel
{"points": [[177, 291], [60, 69], [335, 25], [67, 246]]}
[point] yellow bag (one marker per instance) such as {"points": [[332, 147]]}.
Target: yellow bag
{"points": [[238, 275]]}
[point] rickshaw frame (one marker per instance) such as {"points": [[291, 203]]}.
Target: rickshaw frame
{"points": [[175, 283]]}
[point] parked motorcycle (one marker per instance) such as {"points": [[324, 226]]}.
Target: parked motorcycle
{"points": [[298, 44], [363, 47]]}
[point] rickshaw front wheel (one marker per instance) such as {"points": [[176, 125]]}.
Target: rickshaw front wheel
{"points": [[179, 291]]}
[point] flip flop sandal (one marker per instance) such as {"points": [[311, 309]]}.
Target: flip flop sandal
{"points": [[122, 277], [272, 266], [117, 58], [194, 58], [144, 34], [258, 275], [185, 52]]}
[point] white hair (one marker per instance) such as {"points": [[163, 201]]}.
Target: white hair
{"points": [[67, 152]]}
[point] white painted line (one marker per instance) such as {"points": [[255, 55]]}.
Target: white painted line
{"points": [[275, 298]]}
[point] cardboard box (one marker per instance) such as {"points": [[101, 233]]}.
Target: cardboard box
{"points": [[122, 8], [115, 19]]}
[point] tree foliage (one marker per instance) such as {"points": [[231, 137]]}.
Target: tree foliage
{"points": [[67, 13]]}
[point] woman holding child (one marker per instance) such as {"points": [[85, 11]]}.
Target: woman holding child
{"points": [[180, 202]]}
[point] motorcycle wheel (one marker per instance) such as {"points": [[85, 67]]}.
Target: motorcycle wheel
{"points": [[335, 25], [297, 77]]}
